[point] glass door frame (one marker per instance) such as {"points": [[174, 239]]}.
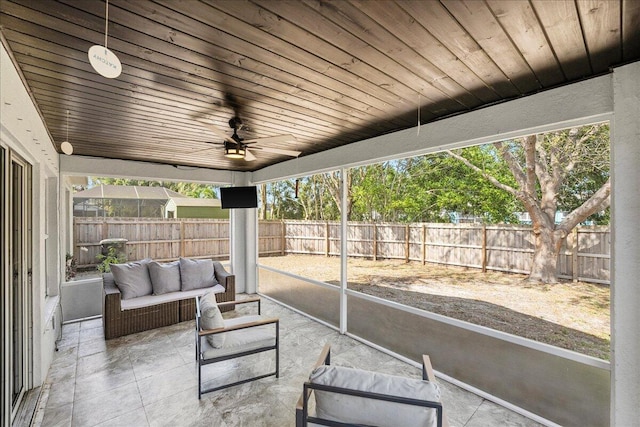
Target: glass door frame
{"points": [[18, 290]]}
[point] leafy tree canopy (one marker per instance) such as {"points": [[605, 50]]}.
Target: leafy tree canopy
{"points": [[189, 189]]}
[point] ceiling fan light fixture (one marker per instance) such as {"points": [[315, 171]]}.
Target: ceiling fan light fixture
{"points": [[234, 151]]}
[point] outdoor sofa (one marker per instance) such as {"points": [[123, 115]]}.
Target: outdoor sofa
{"points": [[144, 295]]}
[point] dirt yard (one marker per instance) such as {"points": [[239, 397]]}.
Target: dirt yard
{"points": [[570, 315]]}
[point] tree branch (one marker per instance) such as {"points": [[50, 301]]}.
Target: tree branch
{"points": [[600, 200], [484, 174]]}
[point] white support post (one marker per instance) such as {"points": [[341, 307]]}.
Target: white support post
{"points": [[625, 247], [343, 251], [243, 243]]}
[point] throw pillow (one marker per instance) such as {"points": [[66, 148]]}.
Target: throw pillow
{"points": [[359, 410], [132, 278], [165, 278], [211, 318], [196, 274]]}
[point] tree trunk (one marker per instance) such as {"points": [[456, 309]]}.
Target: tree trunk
{"points": [[263, 201], [545, 257]]}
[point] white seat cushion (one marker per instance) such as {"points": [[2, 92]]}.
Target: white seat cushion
{"points": [[360, 410], [243, 339]]}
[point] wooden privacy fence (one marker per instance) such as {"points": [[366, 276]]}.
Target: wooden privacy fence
{"points": [[159, 239], [507, 248]]}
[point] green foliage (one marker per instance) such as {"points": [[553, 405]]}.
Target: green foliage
{"points": [[429, 188], [189, 189], [112, 257], [71, 267], [591, 168]]}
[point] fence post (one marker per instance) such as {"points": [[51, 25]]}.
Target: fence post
{"points": [[283, 238], [407, 233], [424, 244], [182, 251], [484, 248], [326, 240], [105, 229], [375, 241], [574, 256]]}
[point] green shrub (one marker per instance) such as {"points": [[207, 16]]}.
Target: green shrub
{"points": [[71, 267], [112, 257]]}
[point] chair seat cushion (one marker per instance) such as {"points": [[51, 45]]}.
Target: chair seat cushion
{"points": [[243, 339], [359, 410]]}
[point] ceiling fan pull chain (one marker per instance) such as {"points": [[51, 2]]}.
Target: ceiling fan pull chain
{"points": [[106, 23]]}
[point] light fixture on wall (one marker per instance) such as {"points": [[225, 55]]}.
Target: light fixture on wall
{"points": [[105, 62], [234, 151], [66, 146]]}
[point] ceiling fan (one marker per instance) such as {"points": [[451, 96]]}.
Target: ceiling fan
{"points": [[238, 148]]}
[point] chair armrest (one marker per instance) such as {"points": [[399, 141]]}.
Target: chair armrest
{"points": [[111, 290], [222, 275], [221, 305], [112, 294], [427, 374], [244, 301], [324, 359], [253, 324], [427, 370]]}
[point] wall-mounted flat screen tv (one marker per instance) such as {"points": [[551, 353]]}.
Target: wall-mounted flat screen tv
{"points": [[239, 197]]}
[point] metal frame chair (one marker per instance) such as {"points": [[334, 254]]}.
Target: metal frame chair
{"points": [[302, 407], [237, 327]]}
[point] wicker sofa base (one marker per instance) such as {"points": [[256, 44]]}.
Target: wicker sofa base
{"points": [[125, 322]]}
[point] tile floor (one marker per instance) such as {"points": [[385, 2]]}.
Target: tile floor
{"points": [[150, 379]]}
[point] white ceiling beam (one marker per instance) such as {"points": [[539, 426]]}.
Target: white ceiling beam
{"points": [[116, 168], [580, 103]]}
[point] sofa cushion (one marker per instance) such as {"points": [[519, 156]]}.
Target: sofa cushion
{"points": [[165, 278], [151, 300], [132, 278], [196, 273], [211, 318], [359, 410]]}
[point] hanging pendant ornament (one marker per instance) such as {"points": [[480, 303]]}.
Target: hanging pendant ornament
{"points": [[66, 146], [105, 62]]}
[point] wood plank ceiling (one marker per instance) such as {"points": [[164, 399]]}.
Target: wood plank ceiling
{"points": [[328, 72]]}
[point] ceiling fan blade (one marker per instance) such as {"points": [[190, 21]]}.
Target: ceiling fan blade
{"points": [[201, 150], [276, 150], [249, 157], [271, 139], [217, 131]]}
